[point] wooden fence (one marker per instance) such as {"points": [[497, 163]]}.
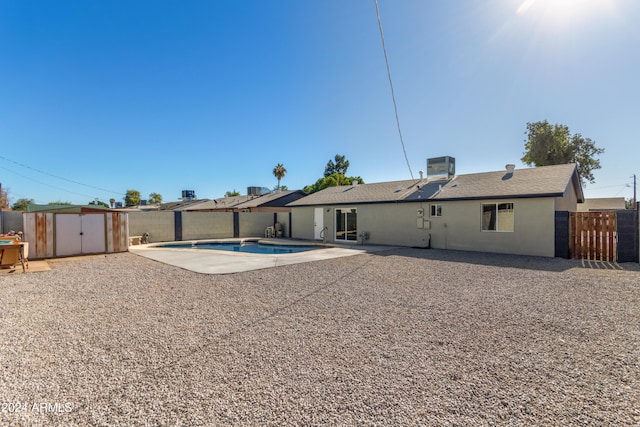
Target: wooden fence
{"points": [[593, 236]]}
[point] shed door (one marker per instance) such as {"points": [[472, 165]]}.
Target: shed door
{"points": [[68, 234], [79, 234], [318, 223], [93, 237]]}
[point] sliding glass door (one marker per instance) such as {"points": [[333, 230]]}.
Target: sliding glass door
{"points": [[346, 224]]}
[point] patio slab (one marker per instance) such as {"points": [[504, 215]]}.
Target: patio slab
{"points": [[225, 262]]}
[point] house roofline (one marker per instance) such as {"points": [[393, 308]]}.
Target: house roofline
{"points": [[496, 197], [433, 200]]}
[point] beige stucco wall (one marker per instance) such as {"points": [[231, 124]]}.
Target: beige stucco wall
{"points": [[603, 204], [159, 225], [569, 202], [458, 228], [206, 225], [283, 219], [302, 223], [392, 224]]}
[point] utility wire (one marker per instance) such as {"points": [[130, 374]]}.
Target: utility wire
{"points": [[59, 177], [393, 95], [45, 184]]}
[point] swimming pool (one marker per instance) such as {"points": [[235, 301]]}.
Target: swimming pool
{"points": [[245, 247]]}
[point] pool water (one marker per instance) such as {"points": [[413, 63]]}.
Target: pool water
{"points": [[246, 247]]}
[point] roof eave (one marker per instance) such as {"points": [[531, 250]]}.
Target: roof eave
{"points": [[497, 197]]}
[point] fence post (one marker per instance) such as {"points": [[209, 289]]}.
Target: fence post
{"points": [[562, 234], [236, 224], [177, 215], [628, 236]]}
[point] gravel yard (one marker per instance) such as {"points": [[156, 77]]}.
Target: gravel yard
{"points": [[402, 337]]}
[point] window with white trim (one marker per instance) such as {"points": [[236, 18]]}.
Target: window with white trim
{"points": [[436, 210], [497, 217]]}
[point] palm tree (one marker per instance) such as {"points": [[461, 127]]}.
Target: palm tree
{"points": [[279, 172]]}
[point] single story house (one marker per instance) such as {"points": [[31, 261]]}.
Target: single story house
{"points": [[276, 201], [508, 211], [180, 205]]}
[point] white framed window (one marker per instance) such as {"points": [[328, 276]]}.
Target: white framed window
{"points": [[436, 210], [497, 217]]}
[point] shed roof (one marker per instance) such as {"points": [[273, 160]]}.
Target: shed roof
{"points": [[69, 208]]}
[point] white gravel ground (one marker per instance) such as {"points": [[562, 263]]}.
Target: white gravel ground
{"points": [[404, 337]]}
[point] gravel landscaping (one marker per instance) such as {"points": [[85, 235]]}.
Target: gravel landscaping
{"points": [[401, 337]]}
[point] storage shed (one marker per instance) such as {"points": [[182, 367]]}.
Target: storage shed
{"points": [[75, 231]]}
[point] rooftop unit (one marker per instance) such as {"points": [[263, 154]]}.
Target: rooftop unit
{"points": [[441, 167], [188, 195], [257, 191]]}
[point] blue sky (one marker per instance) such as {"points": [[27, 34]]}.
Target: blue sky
{"points": [[98, 97]]}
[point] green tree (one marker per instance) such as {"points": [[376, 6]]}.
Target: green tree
{"points": [[59, 203], [629, 204], [332, 180], [132, 198], [279, 172], [155, 198], [21, 204], [98, 203], [4, 198], [548, 144], [340, 166], [231, 193]]}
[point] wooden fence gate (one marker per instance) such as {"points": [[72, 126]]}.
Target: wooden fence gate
{"points": [[593, 236]]}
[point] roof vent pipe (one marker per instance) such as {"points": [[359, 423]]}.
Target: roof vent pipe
{"points": [[510, 168], [421, 174]]}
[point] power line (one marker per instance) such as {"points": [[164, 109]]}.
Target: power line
{"points": [[393, 95], [45, 184], [59, 177]]}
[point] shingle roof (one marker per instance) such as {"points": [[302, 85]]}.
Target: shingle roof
{"points": [[275, 199], [546, 181], [220, 203], [392, 191], [180, 206]]}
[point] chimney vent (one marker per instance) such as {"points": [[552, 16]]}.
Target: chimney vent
{"points": [[510, 168]]}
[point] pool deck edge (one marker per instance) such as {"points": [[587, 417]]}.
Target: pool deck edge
{"points": [[210, 261]]}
